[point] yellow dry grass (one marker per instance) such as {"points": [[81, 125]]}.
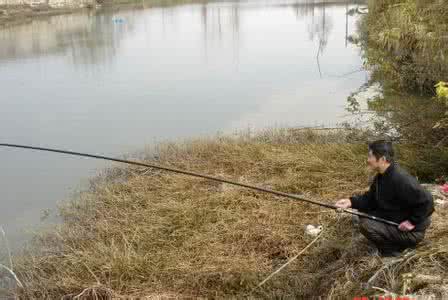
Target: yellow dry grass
{"points": [[145, 233]]}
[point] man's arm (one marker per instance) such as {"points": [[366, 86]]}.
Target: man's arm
{"points": [[366, 201]]}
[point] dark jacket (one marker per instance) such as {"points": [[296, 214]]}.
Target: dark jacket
{"points": [[397, 196]]}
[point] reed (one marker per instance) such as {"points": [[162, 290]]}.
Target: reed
{"points": [[144, 233]]}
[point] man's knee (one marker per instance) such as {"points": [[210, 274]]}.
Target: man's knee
{"points": [[367, 225], [372, 230], [413, 239]]}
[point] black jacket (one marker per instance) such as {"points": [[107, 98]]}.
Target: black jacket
{"points": [[397, 196]]}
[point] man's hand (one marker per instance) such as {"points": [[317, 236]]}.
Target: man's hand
{"points": [[406, 226], [344, 203]]}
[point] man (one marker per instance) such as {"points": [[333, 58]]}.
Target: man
{"points": [[396, 196]]}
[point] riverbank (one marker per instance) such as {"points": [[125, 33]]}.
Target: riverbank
{"points": [[145, 233], [20, 14]]}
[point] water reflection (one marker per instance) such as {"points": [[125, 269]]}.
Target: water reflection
{"points": [[220, 21], [99, 40], [320, 23], [95, 37], [88, 38]]}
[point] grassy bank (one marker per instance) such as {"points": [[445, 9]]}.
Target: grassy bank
{"points": [[139, 232]]}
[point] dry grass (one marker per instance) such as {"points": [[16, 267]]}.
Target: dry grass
{"points": [[142, 233]]}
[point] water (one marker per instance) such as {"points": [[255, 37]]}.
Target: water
{"points": [[113, 81]]}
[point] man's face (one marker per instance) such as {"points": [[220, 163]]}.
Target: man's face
{"points": [[373, 163]]}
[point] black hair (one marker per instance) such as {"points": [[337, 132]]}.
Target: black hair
{"points": [[382, 148]]}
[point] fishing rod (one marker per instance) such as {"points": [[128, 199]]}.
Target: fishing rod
{"points": [[194, 174]]}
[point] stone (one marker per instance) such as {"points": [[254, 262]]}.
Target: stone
{"points": [[312, 230]]}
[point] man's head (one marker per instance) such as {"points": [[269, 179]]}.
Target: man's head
{"points": [[381, 155]]}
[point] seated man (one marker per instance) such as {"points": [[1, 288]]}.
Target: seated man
{"points": [[396, 196]]}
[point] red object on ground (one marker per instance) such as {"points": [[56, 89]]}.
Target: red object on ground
{"points": [[444, 188]]}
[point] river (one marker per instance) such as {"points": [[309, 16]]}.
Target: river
{"points": [[113, 81]]}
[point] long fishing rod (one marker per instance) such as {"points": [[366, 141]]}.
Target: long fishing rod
{"points": [[169, 169]]}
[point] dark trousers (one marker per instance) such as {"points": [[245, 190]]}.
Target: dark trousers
{"points": [[388, 238]]}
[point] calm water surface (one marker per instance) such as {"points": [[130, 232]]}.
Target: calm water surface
{"points": [[113, 81]]}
